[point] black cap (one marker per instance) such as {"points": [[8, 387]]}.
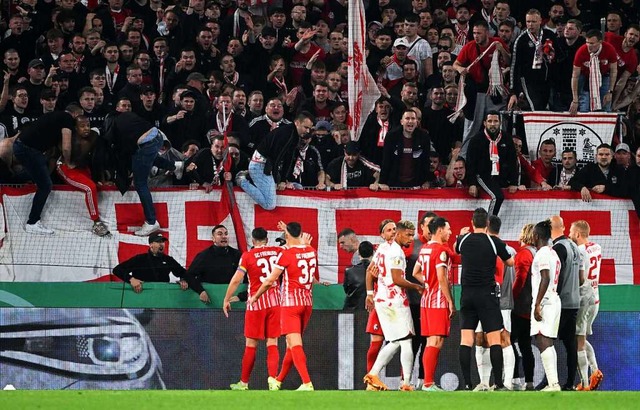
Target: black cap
{"points": [[36, 62], [352, 148], [269, 32], [157, 237], [147, 88], [187, 93]]}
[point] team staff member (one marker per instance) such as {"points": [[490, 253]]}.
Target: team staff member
{"points": [[479, 301], [262, 319], [571, 277], [47, 132], [298, 261], [216, 264], [354, 279], [437, 307], [151, 266]]}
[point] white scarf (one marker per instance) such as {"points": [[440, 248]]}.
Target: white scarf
{"points": [[494, 155], [595, 80], [298, 168], [343, 169], [462, 99], [461, 35], [537, 54], [382, 134]]}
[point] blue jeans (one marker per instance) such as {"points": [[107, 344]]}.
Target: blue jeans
{"points": [[141, 163], [263, 189], [36, 166], [583, 95]]}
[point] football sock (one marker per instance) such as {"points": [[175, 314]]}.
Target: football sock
{"points": [[497, 362], [406, 359], [273, 357], [483, 361], [372, 353], [591, 355], [286, 365], [550, 364], [248, 360], [583, 367], [300, 361], [385, 355], [464, 355], [509, 364], [430, 363]]}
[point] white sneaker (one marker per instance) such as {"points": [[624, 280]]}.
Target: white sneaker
{"points": [[38, 229], [552, 387], [179, 171], [147, 229], [481, 387]]}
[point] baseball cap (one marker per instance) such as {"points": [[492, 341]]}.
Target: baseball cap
{"points": [[187, 93], [36, 62], [402, 42], [352, 148], [323, 125], [197, 77], [623, 147], [157, 237], [147, 88], [375, 23], [269, 32]]}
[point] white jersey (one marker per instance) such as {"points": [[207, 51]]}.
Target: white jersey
{"points": [[546, 259], [419, 50], [388, 256], [593, 262]]}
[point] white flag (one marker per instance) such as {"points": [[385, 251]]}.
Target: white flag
{"points": [[363, 91]]}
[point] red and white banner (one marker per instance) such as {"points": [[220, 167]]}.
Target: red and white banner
{"points": [[75, 254], [582, 133], [363, 91]]}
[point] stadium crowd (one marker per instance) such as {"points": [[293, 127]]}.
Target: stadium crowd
{"points": [[254, 93]]}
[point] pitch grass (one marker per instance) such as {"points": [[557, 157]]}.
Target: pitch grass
{"points": [[110, 400]]}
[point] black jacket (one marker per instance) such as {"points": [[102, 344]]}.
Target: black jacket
{"points": [[149, 268], [392, 155], [216, 264], [354, 285], [590, 175], [479, 163]]}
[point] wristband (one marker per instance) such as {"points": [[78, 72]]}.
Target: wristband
{"points": [[369, 293]]}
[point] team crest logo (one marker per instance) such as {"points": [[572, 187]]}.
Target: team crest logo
{"points": [[397, 261]]}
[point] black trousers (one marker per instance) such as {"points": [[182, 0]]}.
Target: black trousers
{"points": [[567, 333], [520, 332], [492, 187]]}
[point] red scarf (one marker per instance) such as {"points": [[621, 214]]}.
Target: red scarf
{"points": [[493, 153]]}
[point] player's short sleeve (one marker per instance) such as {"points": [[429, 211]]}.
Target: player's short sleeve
{"points": [[397, 259], [283, 260], [443, 258], [243, 264], [584, 259], [501, 248]]}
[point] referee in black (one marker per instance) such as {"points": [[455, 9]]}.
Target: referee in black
{"points": [[480, 298]]}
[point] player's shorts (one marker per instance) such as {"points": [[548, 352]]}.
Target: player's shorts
{"points": [[435, 322], [586, 316], [262, 324], [294, 319], [550, 322], [479, 304], [373, 324], [506, 321], [396, 321]]}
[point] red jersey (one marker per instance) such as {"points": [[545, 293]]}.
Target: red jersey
{"points": [[627, 61], [299, 264], [258, 263], [480, 70], [608, 55], [432, 256], [299, 62]]}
